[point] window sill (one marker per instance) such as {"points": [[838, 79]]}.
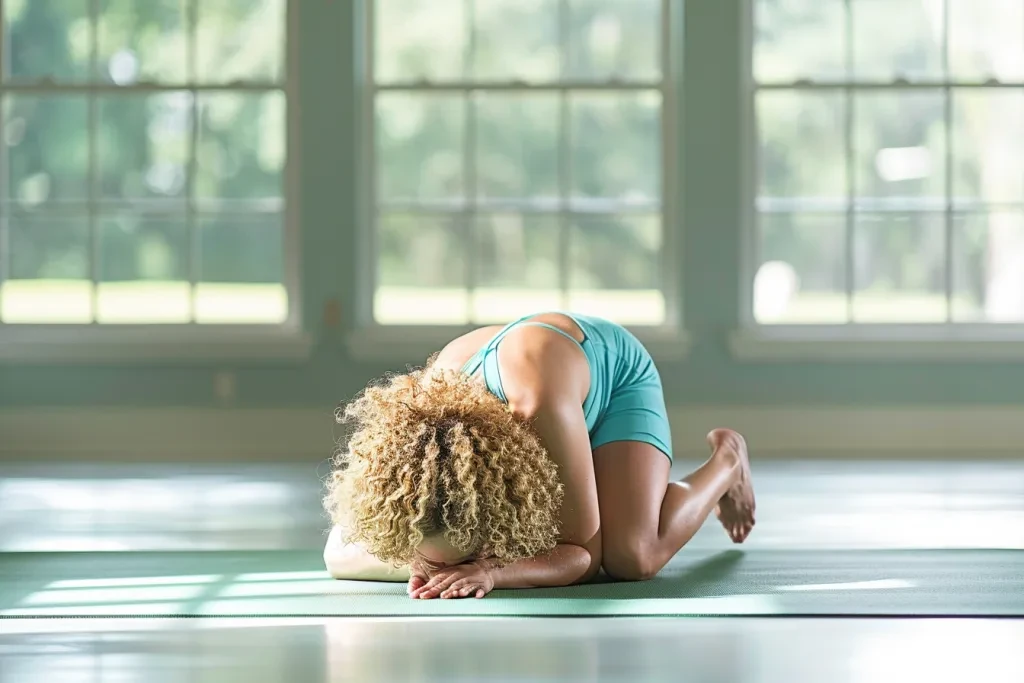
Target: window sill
{"points": [[879, 342], [126, 344], [414, 344]]}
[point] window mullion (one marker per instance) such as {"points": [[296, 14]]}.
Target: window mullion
{"points": [[368, 148], [469, 144], [850, 148], [469, 163], [887, 85], [92, 124], [947, 104], [667, 206], [191, 219], [564, 159], [45, 88], [5, 251], [469, 213], [623, 85]]}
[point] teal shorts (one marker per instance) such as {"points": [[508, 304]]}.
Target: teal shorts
{"points": [[636, 412]]}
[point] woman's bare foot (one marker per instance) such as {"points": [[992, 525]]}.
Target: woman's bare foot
{"points": [[736, 508]]}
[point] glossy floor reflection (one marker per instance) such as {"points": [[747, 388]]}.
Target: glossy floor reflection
{"points": [[583, 651], [801, 505], [157, 507]]}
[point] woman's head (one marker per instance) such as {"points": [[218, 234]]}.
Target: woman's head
{"points": [[439, 470]]}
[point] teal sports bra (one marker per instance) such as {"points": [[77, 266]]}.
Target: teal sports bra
{"points": [[603, 343], [625, 401]]}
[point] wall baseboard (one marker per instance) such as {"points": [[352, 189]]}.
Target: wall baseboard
{"points": [[167, 434], [911, 432], [304, 435]]}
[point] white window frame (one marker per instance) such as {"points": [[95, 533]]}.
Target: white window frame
{"points": [[371, 340], [127, 343], [851, 341]]}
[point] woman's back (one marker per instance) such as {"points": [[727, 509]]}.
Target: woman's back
{"points": [[621, 392]]}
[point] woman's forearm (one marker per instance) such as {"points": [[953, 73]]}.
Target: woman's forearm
{"points": [[563, 566]]}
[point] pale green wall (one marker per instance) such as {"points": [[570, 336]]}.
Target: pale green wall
{"points": [[711, 202]]}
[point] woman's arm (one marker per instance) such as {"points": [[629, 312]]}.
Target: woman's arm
{"points": [[549, 389], [563, 566], [577, 557]]}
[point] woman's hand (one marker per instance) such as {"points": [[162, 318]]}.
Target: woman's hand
{"points": [[417, 581], [419, 575], [461, 581]]}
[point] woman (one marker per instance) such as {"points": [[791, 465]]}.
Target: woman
{"points": [[524, 456]]}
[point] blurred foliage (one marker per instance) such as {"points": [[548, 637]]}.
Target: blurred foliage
{"points": [[899, 158], [144, 173], [145, 176], [613, 153]]}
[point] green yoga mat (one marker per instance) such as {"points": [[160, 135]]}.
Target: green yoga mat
{"points": [[981, 583]]}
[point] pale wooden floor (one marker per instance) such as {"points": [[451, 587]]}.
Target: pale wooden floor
{"points": [[801, 505]]}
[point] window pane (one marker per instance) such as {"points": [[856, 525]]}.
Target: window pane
{"points": [[142, 40], [988, 145], [899, 268], [47, 39], [47, 148], [49, 270], [988, 281], [615, 268], [897, 39], [516, 40], [629, 169], [241, 269], [421, 270], [801, 277], [419, 40], [986, 40], [517, 145], [802, 151], [143, 145], [797, 39], [143, 266], [241, 152], [419, 146], [241, 40], [900, 149], [615, 39], [517, 270]]}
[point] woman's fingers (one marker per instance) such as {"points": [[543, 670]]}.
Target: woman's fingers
{"points": [[464, 589], [438, 584], [459, 589], [455, 582], [415, 584], [427, 585]]}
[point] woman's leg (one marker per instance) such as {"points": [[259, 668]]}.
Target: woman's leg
{"points": [[347, 561], [645, 519]]}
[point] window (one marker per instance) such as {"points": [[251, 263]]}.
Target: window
{"points": [[517, 159], [890, 174], [142, 160]]}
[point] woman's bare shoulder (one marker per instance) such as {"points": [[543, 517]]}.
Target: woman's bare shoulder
{"points": [[539, 366], [526, 339], [456, 352], [536, 363]]}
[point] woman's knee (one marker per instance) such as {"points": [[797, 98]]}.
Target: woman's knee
{"points": [[631, 561]]}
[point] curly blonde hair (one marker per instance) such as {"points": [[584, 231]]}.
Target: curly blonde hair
{"points": [[434, 452]]}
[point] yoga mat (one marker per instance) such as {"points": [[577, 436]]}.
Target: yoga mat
{"points": [[966, 583]]}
